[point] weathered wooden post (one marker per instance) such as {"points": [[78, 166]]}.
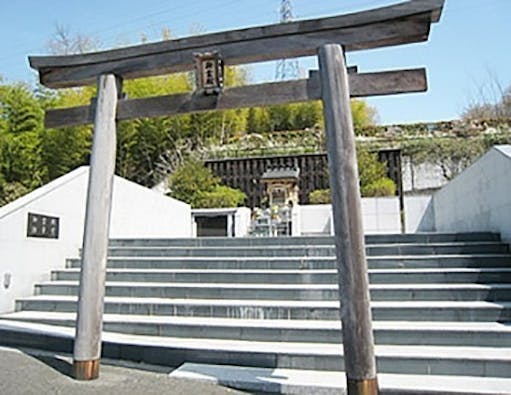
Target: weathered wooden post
{"points": [[357, 330], [87, 347]]}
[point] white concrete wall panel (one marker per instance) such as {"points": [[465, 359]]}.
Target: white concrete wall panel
{"points": [[136, 211], [29, 260], [379, 215], [141, 212], [315, 219], [479, 199], [419, 216], [242, 222]]}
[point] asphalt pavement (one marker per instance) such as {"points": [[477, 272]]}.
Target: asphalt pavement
{"points": [[34, 372]]}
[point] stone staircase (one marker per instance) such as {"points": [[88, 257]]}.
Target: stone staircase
{"points": [[441, 306]]}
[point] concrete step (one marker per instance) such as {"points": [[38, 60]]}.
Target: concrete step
{"points": [[239, 242], [174, 351], [300, 381], [304, 276], [481, 334], [441, 304], [256, 263], [474, 311], [313, 250], [204, 289], [441, 261], [314, 240]]}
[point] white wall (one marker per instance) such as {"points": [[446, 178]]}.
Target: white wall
{"points": [[419, 216], [141, 212], [379, 215], [316, 219], [136, 211], [479, 199], [29, 260], [296, 220], [242, 221]]}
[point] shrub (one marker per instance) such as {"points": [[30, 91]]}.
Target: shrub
{"points": [[11, 191], [373, 179], [221, 196], [382, 187], [198, 186], [320, 196]]}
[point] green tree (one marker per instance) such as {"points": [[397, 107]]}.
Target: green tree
{"points": [[19, 109], [219, 127], [142, 142], [149, 149], [10, 191], [320, 196], [373, 179], [221, 196], [363, 114], [20, 136], [308, 115], [381, 187], [196, 185], [190, 180], [252, 122], [281, 117], [301, 116], [373, 175], [258, 120], [64, 149]]}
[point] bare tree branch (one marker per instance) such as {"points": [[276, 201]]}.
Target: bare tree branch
{"points": [[492, 101], [64, 42]]}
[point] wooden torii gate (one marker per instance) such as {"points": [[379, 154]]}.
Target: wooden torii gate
{"points": [[329, 38]]}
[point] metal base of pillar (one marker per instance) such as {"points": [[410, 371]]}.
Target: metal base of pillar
{"points": [[363, 387], [86, 370]]}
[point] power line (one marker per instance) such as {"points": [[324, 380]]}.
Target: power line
{"points": [[137, 19], [286, 11], [160, 23]]}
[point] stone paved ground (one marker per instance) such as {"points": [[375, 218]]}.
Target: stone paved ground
{"points": [[32, 372]]}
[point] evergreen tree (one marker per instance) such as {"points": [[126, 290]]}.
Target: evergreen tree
{"points": [[373, 179], [20, 136], [308, 115], [64, 149], [196, 185], [281, 117], [252, 124]]}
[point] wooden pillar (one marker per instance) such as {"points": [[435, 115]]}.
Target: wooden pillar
{"points": [[355, 309], [89, 323]]}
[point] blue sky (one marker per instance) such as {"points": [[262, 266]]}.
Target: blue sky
{"points": [[468, 51]]}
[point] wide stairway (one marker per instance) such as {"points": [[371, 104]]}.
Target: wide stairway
{"points": [[441, 307]]}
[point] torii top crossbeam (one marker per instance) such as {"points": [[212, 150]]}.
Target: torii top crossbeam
{"points": [[403, 23]]}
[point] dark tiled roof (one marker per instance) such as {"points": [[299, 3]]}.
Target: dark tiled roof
{"points": [[281, 173]]}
